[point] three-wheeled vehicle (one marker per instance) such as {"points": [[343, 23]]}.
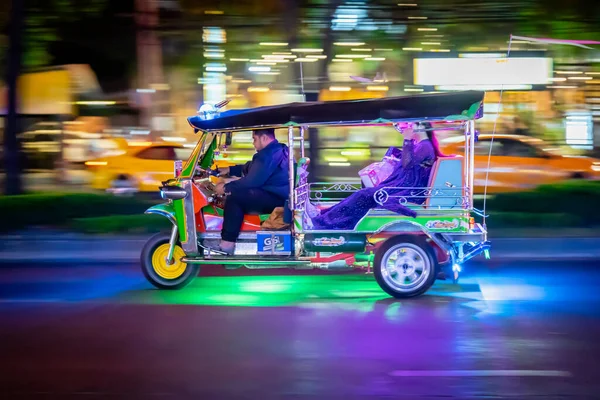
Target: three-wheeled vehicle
{"points": [[406, 254]]}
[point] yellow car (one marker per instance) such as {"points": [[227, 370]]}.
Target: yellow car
{"points": [[520, 162], [138, 169]]}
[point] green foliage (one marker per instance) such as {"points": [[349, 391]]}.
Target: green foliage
{"points": [[573, 203], [57, 209], [533, 220], [121, 224], [43, 19]]}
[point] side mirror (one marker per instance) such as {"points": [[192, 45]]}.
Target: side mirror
{"points": [[178, 167], [228, 139]]}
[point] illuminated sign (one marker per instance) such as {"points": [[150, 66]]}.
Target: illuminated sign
{"points": [[463, 73], [44, 93], [214, 34]]}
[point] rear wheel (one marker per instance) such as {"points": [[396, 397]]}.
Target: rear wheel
{"points": [[405, 266], [158, 271]]}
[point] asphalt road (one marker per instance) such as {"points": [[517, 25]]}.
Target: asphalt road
{"points": [[507, 330]]}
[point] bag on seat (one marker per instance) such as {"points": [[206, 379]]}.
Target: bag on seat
{"points": [[275, 222]]}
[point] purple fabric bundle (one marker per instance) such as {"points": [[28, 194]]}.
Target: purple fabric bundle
{"points": [[412, 172]]}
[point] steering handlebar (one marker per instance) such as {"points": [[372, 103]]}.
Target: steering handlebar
{"points": [[203, 183], [207, 172]]}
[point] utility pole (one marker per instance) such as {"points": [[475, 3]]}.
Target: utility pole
{"points": [[149, 58], [11, 145]]}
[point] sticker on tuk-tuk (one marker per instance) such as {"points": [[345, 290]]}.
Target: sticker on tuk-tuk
{"points": [[325, 241], [439, 224], [273, 242]]}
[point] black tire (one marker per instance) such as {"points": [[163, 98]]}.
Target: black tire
{"points": [[191, 271], [421, 250], [126, 186], [579, 176]]}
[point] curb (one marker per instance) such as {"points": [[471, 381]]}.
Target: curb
{"points": [[82, 249], [67, 260], [104, 258]]}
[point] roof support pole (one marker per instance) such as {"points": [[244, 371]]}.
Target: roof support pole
{"points": [[291, 201], [471, 160]]}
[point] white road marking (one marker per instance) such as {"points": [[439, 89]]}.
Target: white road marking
{"points": [[482, 372], [30, 300]]}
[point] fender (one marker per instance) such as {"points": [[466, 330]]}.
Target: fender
{"points": [[444, 252], [166, 210]]}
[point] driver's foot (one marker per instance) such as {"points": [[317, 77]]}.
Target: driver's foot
{"points": [[211, 243], [227, 247], [214, 246], [228, 252], [221, 252]]}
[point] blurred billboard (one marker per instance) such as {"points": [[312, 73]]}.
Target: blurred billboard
{"points": [[483, 73]]}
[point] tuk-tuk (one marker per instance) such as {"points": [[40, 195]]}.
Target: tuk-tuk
{"points": [[406, 254]]}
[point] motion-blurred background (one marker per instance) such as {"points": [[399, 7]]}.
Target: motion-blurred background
{"points": [[104, 86]]}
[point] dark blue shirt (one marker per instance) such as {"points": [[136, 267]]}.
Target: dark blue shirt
{"points": [[268, 170]]}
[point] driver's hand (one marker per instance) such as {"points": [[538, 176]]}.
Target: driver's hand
{"points": [[223, 170], [220, 188]]}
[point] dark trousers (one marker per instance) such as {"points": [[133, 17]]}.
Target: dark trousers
{"points": [[242, 202]]}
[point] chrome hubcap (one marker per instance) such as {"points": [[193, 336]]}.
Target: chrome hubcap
{"points": [[405, 267]]}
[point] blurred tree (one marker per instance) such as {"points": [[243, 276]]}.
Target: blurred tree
{"points": [[181, 26], [43, 22], [576, 19], [11, 146], [462, 24], [490, 23], [34, 27]]}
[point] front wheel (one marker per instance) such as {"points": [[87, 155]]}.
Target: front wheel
{"points": [[405, 266], [160, 273]]}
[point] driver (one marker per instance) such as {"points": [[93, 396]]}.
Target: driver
{"points": [[264, 185]]}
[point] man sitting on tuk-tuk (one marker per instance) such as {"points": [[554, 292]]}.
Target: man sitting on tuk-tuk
{"points": [[264, 185]]}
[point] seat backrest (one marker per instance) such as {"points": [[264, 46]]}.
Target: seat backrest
{"points": [[447, 177]]}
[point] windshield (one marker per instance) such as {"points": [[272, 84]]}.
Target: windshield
{"points": [[545, 147], [197, 154]]}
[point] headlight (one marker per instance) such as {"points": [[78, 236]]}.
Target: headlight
{"points": [[174, 193]]}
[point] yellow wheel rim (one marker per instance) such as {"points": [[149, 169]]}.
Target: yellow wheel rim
{"points": [[159, 262]]}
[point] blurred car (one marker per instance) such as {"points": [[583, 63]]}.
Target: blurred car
{"points": [[138, 169], [41, 145], [520, 162]]}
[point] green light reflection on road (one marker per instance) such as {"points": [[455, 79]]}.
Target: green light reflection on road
{"points": [[360, 291]]}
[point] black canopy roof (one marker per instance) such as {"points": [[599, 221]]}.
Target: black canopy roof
{"points": [[455, 106]]}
